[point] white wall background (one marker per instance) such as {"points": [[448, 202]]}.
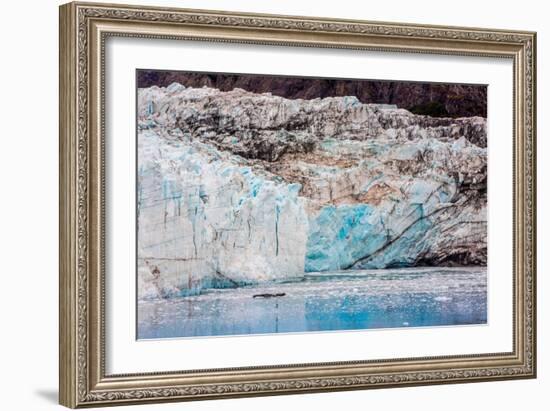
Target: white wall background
{"points": [[29, 187]]}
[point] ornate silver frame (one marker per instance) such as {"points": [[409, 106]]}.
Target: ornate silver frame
{"points": [[83, 30]]}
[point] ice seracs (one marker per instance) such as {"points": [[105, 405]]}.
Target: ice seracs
{"points": [[238, 188]]}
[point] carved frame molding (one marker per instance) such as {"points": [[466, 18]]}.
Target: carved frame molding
{"points": [[84, 27]]}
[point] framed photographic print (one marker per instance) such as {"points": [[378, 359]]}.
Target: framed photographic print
{"points": [[259, 204]]}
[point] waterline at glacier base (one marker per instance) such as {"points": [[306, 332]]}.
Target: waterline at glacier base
{"points": [[361, 299]]}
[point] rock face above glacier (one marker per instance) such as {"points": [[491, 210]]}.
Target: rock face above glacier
{"points": [[236, 188]]}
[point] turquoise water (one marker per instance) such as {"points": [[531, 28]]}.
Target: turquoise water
{"points": [[351, 300]]}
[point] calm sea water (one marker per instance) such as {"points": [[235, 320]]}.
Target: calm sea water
{"points": [[326, 302]]}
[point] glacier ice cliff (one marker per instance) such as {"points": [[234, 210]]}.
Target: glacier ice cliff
{"points": [[237, 188]]}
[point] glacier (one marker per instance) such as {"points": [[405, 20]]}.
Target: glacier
{"points": [[198, 209], [238, 188]]}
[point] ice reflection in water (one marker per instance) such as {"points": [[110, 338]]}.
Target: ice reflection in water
{"points": [[328, 301]]}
